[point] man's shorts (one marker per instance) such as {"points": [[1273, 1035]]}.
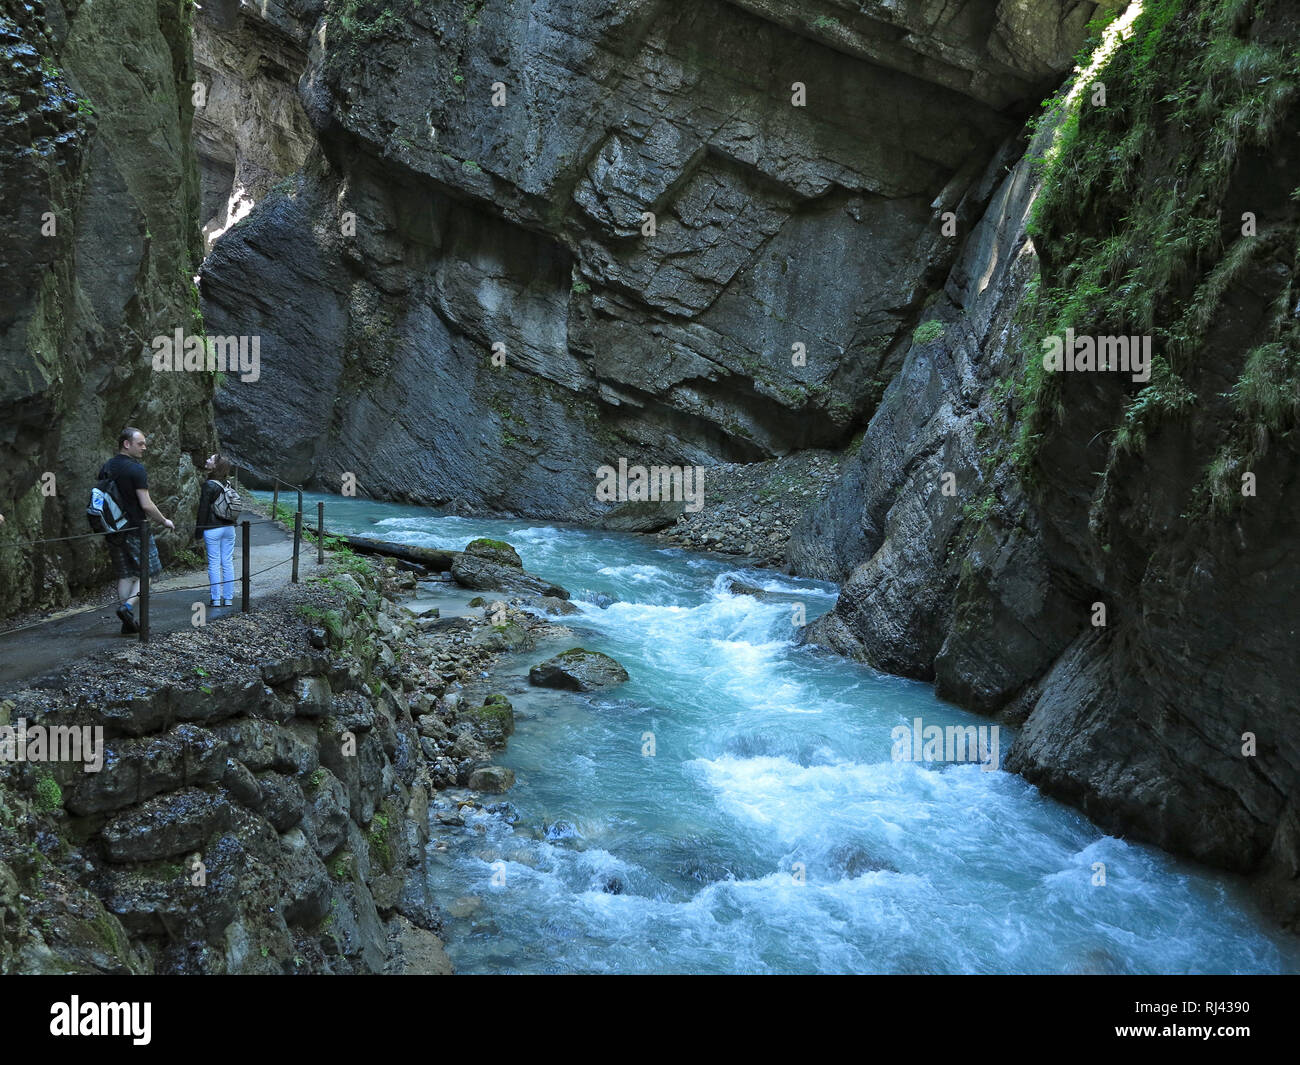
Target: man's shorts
{"points": [[124, 550]]}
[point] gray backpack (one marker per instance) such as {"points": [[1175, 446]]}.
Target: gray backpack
{"points": [[227, 505]]}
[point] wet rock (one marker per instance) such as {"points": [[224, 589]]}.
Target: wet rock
{"points": [[312, 696], [850, 861], [493, 779], [243, 787], [551, 605], [168, 825], [494, 721], [511, 636], [283, 802], [465, 906], [504, 810], [642, 517], [484, 574], [578, 669], [497, 551]]}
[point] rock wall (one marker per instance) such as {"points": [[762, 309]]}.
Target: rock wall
{"points": [[265, 812], [249, 129], [482, 175], [1098, 568], [99, 205]]}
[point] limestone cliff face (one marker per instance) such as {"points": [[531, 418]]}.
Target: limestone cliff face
{"points": [[1169, 717], [98, 208], [482, 179], [249, 129]]}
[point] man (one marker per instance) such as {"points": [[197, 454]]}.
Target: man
{"points": [[124, 547]]}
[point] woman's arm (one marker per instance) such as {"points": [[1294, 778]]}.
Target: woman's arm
{"points": [[204, 518]]}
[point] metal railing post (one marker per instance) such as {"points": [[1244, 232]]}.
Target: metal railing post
{"points": [[144, 581], [275, 498], [244, 580], [297, 543], [320, 534]]}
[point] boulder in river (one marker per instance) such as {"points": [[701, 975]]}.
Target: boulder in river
{"points": [[488, 574], [494, 551], [511, 635], [551, 604], [579, 670], [494, 720], [494, 779], [642, 516]]}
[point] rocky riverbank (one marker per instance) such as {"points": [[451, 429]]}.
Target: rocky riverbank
{"points": [[752, 508], [263, 801]]}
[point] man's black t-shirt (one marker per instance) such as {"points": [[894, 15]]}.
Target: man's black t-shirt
{"points": [[129, 476]]}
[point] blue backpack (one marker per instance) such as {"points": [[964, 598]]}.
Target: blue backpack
{"points": [[106, 514]]}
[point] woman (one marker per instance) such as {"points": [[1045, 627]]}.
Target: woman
{"points": [[218, 534]]}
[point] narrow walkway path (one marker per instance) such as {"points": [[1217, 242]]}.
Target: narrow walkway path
{"points": [[35, 650]]}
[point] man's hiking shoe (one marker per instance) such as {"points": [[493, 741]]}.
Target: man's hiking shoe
{"points": [[129, 627]]}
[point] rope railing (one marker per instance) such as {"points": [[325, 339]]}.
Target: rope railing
{"points": [[143, 533], [86, 536]]}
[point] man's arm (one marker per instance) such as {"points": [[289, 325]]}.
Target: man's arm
{"points": [[147, 505]]}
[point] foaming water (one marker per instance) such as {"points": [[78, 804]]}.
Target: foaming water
{"points": [[735, 807]]}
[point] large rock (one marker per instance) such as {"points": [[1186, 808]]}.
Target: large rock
{"points": [[578, 669], [494, 721], [497, 551], [137, 769], [642, 517], [172, 824], [484, 574], [493, 779], [432, 243]]}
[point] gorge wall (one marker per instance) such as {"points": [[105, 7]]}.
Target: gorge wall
{"points": [[1169, 212], [98, 207], [479, 181]]}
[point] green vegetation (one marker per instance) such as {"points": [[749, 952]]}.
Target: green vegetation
{"points": [[341, 557], [363, 21], [1131, 226], [49, 796], [189, 558], [384, 832], [330, 620], [927, 332]]}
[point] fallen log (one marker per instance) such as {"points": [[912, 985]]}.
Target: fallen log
{"points": [[434, 559]]}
